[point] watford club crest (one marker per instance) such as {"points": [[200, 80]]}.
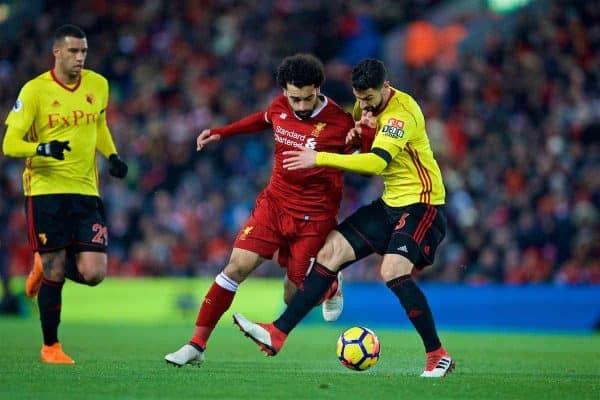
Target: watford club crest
{"points": [[319, 126], [89, 98]]}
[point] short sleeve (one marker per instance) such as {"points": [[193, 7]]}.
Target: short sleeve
{"points": [[394, 130]]}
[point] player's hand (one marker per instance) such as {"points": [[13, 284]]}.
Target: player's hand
{"points": [[117, 167], [367, 119], [353, 137], [363, 133], [300, 159], [54, 148], [205, 137]]}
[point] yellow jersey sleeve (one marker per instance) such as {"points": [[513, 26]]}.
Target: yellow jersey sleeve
{"points": [[25, 109], [14, 145], [105, 143], [361, 163], [19, 123], [396, 127]]}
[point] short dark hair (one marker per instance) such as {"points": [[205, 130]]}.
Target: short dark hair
{"points": [[369, 74], [68, 30], [300, 70]]}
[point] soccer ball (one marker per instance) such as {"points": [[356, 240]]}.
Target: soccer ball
{"points": [[358, 348]]}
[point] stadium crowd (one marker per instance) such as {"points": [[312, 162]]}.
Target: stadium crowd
{"points": [[515, 127]]}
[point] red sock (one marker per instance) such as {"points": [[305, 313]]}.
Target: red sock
{"points": [[215, 303]]}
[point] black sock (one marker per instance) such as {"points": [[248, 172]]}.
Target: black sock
{"points": [[314, 287], [71, 270], [49, 303], [414, 302]]}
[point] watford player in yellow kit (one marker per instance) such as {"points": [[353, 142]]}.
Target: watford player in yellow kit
{"points": [[405, 225], [57, 124]]}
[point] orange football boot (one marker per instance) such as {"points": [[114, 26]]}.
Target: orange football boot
{"points": [[34, 279], [55, 355]]}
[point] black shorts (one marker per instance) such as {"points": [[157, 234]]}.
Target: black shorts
{"points": [[60, 221], [413, 231]]}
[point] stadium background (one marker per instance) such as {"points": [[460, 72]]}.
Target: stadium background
{"points": [[511, 98]]}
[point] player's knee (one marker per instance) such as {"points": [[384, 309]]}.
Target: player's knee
{"points": [[92, 277], [392, 270], [237, 271], [92, 270], [333, 253], [55, 274], [387, 274], [241, 264], [326, 255]]}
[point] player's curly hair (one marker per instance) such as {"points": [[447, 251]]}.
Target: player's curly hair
{"points": [[368, 74], [68, 30], [300, 70]]}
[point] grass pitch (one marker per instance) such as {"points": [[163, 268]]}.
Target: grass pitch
{"points": [[122, 358]]}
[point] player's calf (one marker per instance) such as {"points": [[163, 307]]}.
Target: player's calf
{"points": [[34, 279]]}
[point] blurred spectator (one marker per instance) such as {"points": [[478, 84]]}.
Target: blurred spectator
{"points": [[9, 302]]}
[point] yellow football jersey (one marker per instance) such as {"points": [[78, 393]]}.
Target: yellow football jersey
{"points": [[48, 110], [413, 175]]}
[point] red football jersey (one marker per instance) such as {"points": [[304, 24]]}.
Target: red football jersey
{"points": [[311, 193]]}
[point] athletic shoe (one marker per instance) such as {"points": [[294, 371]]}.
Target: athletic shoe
{"points": [[439, 363], [267, 336], [332, 307], [188, 354], [34, 279], [55, 355]]}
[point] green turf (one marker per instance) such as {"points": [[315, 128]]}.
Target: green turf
{"points": [[121, 358]]}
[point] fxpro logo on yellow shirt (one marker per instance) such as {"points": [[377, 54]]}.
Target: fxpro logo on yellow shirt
{"points": [[74, 118]]}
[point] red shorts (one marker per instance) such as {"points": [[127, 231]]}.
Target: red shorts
{"points": [[270, 229]]}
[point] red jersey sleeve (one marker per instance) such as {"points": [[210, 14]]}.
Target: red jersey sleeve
{"points": [[252, 123], [367, 138]]}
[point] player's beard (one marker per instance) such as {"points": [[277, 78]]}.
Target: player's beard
{"points": [[374, 109], [303, 114]]}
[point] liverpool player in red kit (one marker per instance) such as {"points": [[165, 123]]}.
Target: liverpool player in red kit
{"points": [[296, 211]]}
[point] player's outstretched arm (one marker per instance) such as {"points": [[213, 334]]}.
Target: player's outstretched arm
{"points": [[252, 123], [204, 138], [371, 163]]}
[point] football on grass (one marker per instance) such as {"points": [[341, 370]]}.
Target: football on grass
{"points": [[358, 348]]}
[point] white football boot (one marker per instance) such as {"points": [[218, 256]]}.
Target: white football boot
{"points": [[439, 364], [188, 354], [332, 307]]}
